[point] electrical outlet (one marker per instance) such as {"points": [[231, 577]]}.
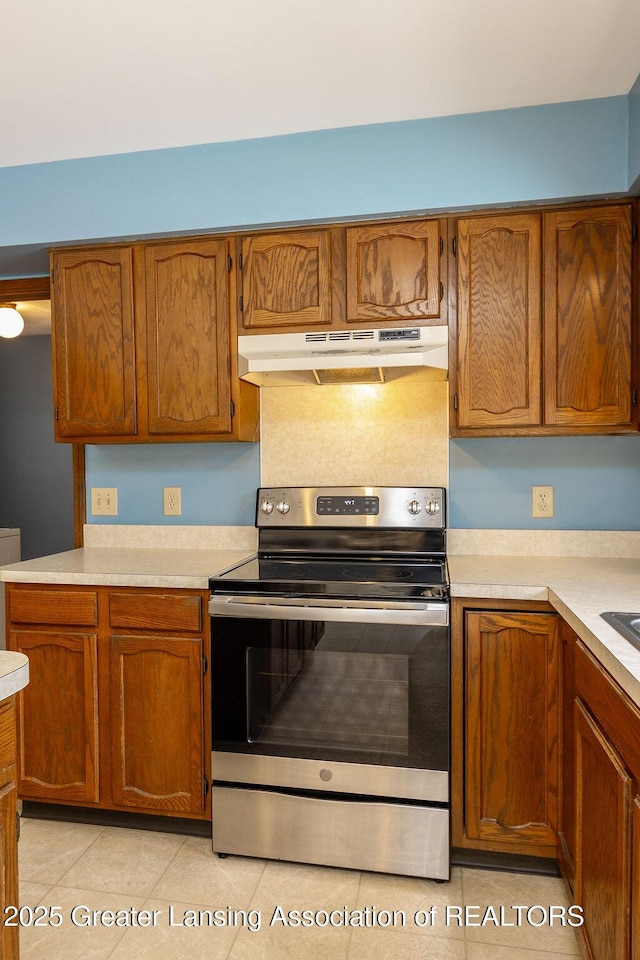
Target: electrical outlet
{"points": [[104, 501], [172, 500], [542, 502]]}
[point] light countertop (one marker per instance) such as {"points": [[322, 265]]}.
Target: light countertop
{"points": [[127, 566], [14, 673]]}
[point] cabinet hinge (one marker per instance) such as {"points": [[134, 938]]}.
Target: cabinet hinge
{"points": [[205, 786], [441, 245], [240, 262], [52, 275], [455, 401], [205, 665], [232, 407], [634, 235], [229, 263], [441, 291], [454, 247], [56, 413], [241, 304], [634, 396]]}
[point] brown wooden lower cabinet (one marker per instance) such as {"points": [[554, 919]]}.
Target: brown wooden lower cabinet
{"points": [[604, 792], [9, 946], [607, 812], [109, 719], [505, 703]]}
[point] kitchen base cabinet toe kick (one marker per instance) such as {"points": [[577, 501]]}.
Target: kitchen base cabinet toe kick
{"points": [[115, 715]]}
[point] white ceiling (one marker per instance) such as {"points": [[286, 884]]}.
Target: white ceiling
{"points": [[78, 78]]}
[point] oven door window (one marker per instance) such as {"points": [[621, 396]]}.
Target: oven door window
{"points": [[370, 693]]}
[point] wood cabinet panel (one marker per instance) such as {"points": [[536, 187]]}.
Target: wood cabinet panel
{"points": [[62, 607], [393, 271], [94, 343], [499, 321], [188, 363], [588, 316], [286, 279], [566, 827], [604, 793], [511, 729], [157, 723], [155, 611], [9, 894], [635, 878], [58, 716]]}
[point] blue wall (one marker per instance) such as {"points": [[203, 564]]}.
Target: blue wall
{"points": [[596, 482], [633, 174], [218, 481], [508, 156]]}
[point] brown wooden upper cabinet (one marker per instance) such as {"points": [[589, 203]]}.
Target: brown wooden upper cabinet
{"points": [[386, 274], [286, 280], [143, 340], [393, 272], [543, 340]]}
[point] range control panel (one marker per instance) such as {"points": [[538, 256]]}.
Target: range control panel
{"points": [[403, 507]]}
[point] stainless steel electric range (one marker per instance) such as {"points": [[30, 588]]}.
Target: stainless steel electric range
{"points": [[330, 683]]}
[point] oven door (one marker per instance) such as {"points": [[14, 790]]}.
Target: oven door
{"points": [[334, 695]]}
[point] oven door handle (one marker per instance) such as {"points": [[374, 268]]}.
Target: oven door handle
{"points": [[330, 611]]}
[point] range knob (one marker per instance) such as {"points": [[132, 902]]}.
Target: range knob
{"points": [[432, 507], [414, 507], [283, 507], [267, 507]]}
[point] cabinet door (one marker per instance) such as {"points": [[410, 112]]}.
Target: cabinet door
{"points": [[499, 322], [93, 343], [187, 338], [635, 880], [8, 828], [603, 812], [587, 364], [286, 280], [511, 730], [157, 723], [566, 826], [58, 716], [393, 271]]}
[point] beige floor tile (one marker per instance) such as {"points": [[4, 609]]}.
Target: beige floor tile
{"points": [[292, 943], [295, 886], [32, 893], [197, 875], [124, 861], [172, 938], [86, 938], [48, 848], [484, 888], [383, 945], [489, 951], [414, 896]]}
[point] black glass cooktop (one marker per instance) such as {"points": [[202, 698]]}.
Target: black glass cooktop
{"points": [[342, 577]]}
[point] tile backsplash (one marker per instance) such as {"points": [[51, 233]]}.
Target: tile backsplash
{"points": [[384, 434]]}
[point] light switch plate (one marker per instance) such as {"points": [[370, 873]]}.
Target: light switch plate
{"points": [[104, 501]]}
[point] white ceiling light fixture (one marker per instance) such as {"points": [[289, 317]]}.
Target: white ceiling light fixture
{"points": [[11, 322]]}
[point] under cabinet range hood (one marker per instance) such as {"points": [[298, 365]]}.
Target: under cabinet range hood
{"points": [[344, 356]]}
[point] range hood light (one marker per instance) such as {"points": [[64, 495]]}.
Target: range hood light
{"points": [[350, 375], [11, 322]]}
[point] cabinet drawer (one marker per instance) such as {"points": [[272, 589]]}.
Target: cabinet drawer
{"points": [[60, 607], [7, 734], [155, 611]]}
